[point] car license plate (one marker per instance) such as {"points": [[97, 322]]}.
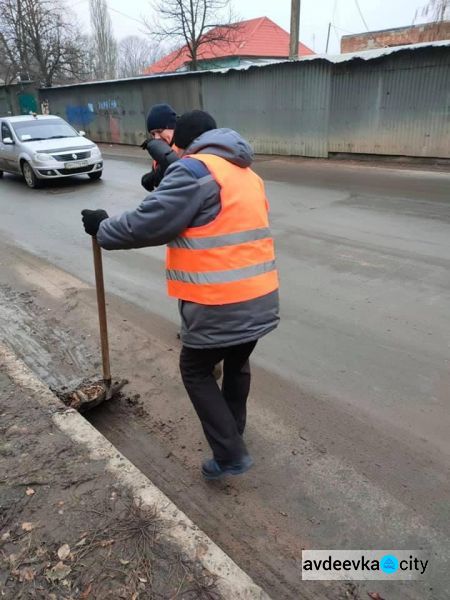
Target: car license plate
{"points": [[76, 164]]}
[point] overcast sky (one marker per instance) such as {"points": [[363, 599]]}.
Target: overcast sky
{"points": [[315, 16]]}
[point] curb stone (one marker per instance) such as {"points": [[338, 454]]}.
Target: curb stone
{"points": [[232, 582]]}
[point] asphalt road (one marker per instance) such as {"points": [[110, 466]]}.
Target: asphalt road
{"points": [[364, 257]]}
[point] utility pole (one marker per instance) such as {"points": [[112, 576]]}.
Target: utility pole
{"points": [[328, 38], [295, 29]]}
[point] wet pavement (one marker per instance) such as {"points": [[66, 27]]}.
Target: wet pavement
{"points": [[364, 272], [360, 364]]}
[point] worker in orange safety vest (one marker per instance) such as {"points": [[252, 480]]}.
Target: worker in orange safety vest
{"points": [[212, 212]]}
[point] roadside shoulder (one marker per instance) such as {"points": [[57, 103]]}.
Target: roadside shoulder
{"points": [[41, 433]]}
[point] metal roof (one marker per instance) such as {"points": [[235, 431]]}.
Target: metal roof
{"points": [[332, 58], [377, 52]]}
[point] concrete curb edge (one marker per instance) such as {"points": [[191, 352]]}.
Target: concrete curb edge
{"points": [[232, 582]]}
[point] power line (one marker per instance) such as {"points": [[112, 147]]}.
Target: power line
{"points": [[344, 30], [124, 15], [113, 10], [361, 15]]}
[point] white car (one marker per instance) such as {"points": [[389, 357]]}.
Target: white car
{"points": [[46, 147]]}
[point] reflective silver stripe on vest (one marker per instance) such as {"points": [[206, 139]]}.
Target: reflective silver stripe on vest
{"points": [[217, 241], [221, 276]]}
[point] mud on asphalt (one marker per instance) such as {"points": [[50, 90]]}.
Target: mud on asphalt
{"points": [[49, 319], [66, 357]]}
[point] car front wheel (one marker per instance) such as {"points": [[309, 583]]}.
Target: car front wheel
{"points": [[95, 176], [1, 174], [30, 178]]}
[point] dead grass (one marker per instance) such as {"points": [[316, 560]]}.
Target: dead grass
{"points": [[124, 555]]}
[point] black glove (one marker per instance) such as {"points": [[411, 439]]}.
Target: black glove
{"points": [[92, 219], [160, 151], [158, 175], [148, 181], [151, 180], [144, 144]]}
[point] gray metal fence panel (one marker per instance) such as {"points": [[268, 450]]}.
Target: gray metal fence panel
{"points": [[182, 92], [108, 112], [395, 105], [280, 109], [116, 111]]}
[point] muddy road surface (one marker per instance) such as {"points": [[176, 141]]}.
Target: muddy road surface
{"points": [[349, 409]]}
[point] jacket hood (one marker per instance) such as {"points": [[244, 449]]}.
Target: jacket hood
{"points": [[226, 143]]}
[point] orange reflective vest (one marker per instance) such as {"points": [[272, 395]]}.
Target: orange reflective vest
{"points": [[231, 259]]}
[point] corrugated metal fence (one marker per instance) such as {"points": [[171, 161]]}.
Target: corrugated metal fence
{"points": [[397, 104]]}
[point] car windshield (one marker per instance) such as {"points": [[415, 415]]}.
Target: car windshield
{"points": [[45, 129]]}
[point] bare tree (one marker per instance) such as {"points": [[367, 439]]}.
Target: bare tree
{"points": [[84, 62], [438, 10], [104, 42], [135, 54], [13, 44], [38, 40], [191, 24]]}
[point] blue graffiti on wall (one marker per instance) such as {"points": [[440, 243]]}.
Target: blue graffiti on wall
{"points": [[80, 115], [107, 104]]}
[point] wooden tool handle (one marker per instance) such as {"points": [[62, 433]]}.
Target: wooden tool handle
{"points": [[99, 284]]}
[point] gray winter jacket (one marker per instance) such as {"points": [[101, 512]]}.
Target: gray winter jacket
{"points": [[188, 196]]}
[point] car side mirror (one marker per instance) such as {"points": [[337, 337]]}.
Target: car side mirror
{"points": [[82, 133], [8, 140]]}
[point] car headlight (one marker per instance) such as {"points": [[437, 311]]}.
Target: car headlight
{"points": [[42, 157], [95, 152]]}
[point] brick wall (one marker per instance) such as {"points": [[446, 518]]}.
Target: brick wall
{"points": [[396, 37]]}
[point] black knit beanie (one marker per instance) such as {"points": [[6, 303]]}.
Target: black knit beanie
{"points": [[190, 125], [161, 116]]}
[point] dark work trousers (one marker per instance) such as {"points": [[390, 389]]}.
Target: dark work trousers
{"points": [[222, 412]]}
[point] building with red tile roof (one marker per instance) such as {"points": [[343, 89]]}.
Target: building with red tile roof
{"points": [[254, 41]]}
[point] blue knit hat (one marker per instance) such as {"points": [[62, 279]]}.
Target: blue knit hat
{"points": [[161, 116]]}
